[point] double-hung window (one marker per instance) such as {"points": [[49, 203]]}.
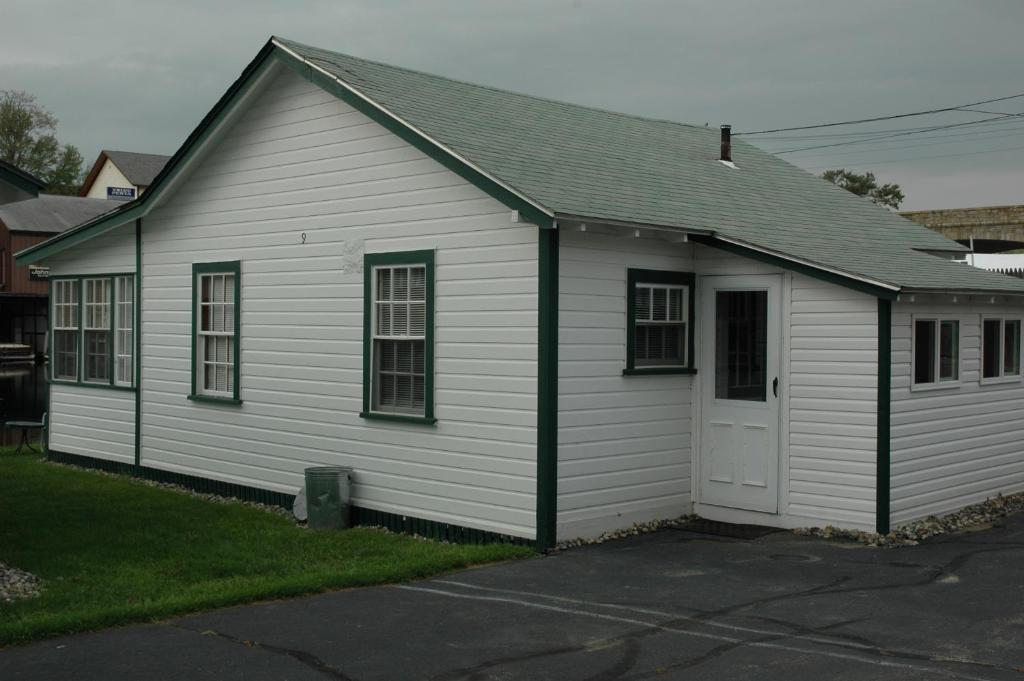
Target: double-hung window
{"points": [[398, 335], [96, 331], [64, 315], [659, 320], [124, 331], [216, 292], [93, 338], [936, 357], [1000, 349]]}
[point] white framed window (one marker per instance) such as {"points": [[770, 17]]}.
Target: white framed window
{"points": [[64, 313], [124, 330], [399, 338], [936, 352], [96, 331], [1000, 349], [398, 335], [215, 339]]}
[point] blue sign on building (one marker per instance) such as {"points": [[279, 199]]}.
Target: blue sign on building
{"points": [[121, 193]]}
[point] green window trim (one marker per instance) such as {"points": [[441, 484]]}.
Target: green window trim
{"points": [[370, 262], [636, 276], [232, 267], [80, 279]]}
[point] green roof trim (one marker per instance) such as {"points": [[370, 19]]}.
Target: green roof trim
{"points": [[553, 160]]}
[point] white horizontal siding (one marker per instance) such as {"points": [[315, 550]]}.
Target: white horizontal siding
{"points": [[828, 398], [85, 420], [832, 403], [958, 445], [623, 441], [92, 422], [301, 162], [110, 253]]}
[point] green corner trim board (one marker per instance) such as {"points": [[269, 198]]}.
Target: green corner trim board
{"points": [[884, 442], [431, 529], [547, 390]]}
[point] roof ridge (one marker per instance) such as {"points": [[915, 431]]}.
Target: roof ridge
{"points": [[493, 88], [136, 153]]}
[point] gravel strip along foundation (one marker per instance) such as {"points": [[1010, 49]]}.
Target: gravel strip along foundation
{"points": [[913, 533], [15, 584], [634, 530], [905, 535]]}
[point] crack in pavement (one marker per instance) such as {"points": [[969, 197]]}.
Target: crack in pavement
{"points": [[308, 659], [675, 623]]}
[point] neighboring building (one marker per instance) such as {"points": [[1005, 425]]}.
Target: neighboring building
{"points": [[17, 185], [23, 290], [989, 229], [524, 317], [122, 175]]}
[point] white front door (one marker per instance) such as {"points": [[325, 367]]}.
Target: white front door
{"points": [[740, 340]]}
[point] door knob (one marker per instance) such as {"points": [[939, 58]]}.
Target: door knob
{"points": [[775, 386]]}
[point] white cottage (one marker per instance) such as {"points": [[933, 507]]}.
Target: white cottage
{"points": [[522, 318]]}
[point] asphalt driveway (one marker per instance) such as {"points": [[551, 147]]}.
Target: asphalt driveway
{"points": [[670, 605]]}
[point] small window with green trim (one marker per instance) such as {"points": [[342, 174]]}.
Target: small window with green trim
{"points": [[660, 314], [216, 291], [398, 335]]}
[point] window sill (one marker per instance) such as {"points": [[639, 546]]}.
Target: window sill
{"points": [[997, 380], [943, 385], [652, 371], [214, 400], [400, 418], [84, 384]]}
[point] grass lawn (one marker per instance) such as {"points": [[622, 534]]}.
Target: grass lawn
{"points": [[111, 550]]}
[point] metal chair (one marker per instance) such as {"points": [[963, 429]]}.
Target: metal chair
{"points": [[25, 427]]}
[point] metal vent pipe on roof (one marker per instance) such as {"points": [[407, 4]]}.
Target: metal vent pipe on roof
{"points": [[726, 143]]}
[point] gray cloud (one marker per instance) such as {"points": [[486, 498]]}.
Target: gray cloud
{"points": [[139, 76]]}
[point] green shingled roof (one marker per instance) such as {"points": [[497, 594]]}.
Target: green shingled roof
{"points": [[586, 162]]}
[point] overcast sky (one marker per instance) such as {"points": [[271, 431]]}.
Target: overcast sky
{"points": [[139, 75]]}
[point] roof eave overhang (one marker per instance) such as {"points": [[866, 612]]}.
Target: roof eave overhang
{"points": [[960, 292], [846, 279], [275, 52]]}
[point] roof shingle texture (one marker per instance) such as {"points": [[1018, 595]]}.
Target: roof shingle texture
{"points": [[581, 161], [51, 213], [139, 169]]}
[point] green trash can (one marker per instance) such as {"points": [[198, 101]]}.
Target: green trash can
{"points": [[328, 491]]}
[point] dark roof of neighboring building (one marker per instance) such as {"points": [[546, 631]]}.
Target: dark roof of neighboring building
{"points": [[563, 162], [19, 178], [139, 169], [52, 213]]}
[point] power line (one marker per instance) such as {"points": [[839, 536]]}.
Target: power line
{"points": [[900, 134], [862, 133], [919, 158], [884, 118], [929, 142]]}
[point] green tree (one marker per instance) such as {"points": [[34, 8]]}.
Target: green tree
{"points": [[865, 185], [28, 141]]}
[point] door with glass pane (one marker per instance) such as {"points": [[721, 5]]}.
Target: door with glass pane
{"points": [[741, 333]]}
